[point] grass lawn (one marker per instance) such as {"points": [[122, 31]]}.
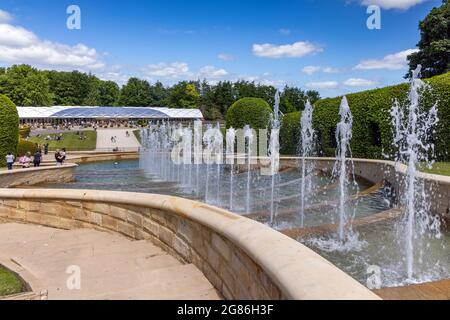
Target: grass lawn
{"points": [[137, 134], [70, 141], [9, 283], [442, 168]]}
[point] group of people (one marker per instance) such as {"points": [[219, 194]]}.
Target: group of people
{"points": [[82, 124], [27, 159]]}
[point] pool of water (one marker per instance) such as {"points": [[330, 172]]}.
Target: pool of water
{"points": [[372, 245]]}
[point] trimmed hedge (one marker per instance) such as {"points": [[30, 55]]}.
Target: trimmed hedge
{"points": [[25, 146], [9, 128], [372, 129], [249, 111], [290, 133]]}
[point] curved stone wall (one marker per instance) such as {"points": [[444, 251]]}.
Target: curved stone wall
{"points": [[33, 176], [377, 171], [242, 258]]}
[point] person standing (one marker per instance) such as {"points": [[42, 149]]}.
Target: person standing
{"points": [[46, 149], [58, 158], [9, 160], [37, 158]]}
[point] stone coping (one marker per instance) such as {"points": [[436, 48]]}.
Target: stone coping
{"points": [[400, 168], [33, 176], [280, 263]]}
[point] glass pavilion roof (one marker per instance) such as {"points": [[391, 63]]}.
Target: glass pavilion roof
{"points": [[60, 112]]}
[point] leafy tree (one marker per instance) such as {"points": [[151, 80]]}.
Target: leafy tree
{"points": [[72, 88], [434, 45], [25, 86], [184, 95], [158, 94], [108, 93], [136, 93]]}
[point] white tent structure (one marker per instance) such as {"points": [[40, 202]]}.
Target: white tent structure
{"points": [[64, 113]]}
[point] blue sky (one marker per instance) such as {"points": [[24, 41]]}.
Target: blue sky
{"points": [[313, 44]]}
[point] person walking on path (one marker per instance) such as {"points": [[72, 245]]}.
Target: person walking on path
{"points": [[37, 158], [10, 160]]}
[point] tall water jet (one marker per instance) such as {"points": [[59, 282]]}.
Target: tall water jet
{"points": [[274, 150], [198, 153], [217, 143], [230, 139], [187, 153], [208, 141], [343, 137], [306, 150], [248, 134], [413, 126]]}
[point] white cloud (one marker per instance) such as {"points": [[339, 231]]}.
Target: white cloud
{"points": [[331, 70], [310, 70], [225, 57], [393, 4], [357, 82], [295, 50], [19, 45], [395, 61], [173, 70], [5, 16], [284, 31], [322, 85], [211, 72]]}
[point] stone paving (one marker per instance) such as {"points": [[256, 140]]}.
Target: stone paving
{"points": [[112, 267], [122, 142]]}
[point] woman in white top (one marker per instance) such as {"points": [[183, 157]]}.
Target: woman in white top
{"points": [[9, 160]]}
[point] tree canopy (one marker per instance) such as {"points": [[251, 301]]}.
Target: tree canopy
{"points": [[434, 45], [28, 86]]}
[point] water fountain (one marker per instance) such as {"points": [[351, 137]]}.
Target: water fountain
{"points": [[306, 150], [343, 137], [230, 153], [248, 134], [413, 125], [274, 152]]}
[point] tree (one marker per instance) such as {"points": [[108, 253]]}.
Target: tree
{"points": [[158, 94], [25, 86], [184, 95], [434, 45], [136, 93], [9, 128], [72, 88], [108, 93]]}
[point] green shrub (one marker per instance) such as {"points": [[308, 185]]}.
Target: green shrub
{"points": [[24, 132], [372, 129], [290, 133], [249, 111], [25, 146], [9, 128]]}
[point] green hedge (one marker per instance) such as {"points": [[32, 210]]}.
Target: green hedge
{"points": [[249, 111], [25, 146], [290, 133], [9, 128], [372, 129]]}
